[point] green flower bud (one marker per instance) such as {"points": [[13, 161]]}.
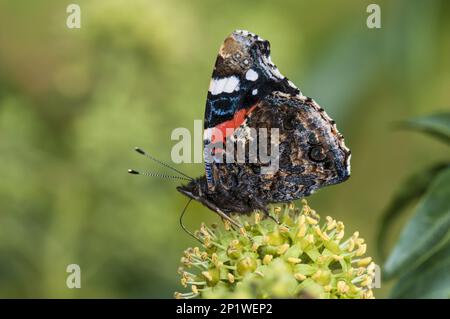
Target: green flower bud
{"points": [[246, 265], [275, 238]]}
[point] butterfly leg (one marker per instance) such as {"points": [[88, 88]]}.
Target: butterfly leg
{"points": [[228, 218], [218, 211], [222, 214], [266, 212], [262, 207]]}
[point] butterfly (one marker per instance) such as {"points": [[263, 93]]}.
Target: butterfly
{"points": [[248, 101]]}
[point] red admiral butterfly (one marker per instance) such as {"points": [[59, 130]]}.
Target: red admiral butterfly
{"points": [[248, 92]]}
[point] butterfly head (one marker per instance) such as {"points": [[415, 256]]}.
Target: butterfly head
{"points": [[195, 189]]}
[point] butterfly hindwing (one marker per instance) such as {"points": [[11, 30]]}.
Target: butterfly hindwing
{"points": [[311, 152]]}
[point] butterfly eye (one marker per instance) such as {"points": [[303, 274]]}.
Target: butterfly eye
{"points": [[317, 154]]}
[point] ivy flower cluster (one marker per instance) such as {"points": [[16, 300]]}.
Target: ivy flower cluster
{"points": [[292, 255]]}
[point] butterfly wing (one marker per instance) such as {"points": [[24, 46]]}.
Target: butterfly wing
{"points": [[243, 76], [305, 149]]}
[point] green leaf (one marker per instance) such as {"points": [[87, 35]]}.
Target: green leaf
{"points": [[412, 188], [437, 125], [430, 280], [425, 232]]}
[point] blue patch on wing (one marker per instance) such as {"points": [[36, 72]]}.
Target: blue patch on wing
{"points": [[220, 109]]}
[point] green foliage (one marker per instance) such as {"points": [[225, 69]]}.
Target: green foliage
{"points": [[421, 256], [430, 280], [437, 125], [410, 190], [426, 232]]}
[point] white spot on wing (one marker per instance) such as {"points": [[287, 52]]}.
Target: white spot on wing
{"points": [[251, 75], [216, 86], [231, 84], [255, 91], [228, 85]]}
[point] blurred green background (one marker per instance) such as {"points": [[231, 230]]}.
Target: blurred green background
{"points": [[74, 102]]}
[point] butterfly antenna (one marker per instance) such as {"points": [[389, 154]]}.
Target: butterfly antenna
{"points": [[144, 153], [184, 227], [150, 174]]}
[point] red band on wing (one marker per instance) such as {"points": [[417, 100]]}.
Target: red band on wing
{"points": [[235, 122]]}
